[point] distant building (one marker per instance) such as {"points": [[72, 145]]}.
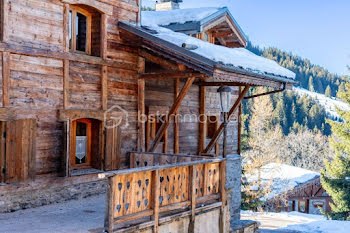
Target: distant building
{"points": [[308, 198], [293, 189]]}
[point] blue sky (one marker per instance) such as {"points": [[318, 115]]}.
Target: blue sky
{"points": [[315, 29]]}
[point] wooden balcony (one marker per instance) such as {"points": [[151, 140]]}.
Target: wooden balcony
{"points": [[162, 187]]}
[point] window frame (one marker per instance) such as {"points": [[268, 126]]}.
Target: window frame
{"points": [[88, 123], [74, 10]]}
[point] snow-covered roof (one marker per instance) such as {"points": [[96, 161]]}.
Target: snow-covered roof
{"points": [[238, 58], [202, 16], [282, 177], [177, 16]]}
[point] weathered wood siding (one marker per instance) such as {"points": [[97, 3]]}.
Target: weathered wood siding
{"points": [[36, 86], [84, 86], [159, 95], [36, 23], [36, 83], [1, 97]]}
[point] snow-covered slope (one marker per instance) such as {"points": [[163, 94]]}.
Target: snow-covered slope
{"points": [[329, 104], [281, 177]]}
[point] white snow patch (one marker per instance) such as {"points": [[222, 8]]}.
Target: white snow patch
{"points": [[302, 222], [236, 57], [329, 104], [281, 177], [180, 16]]}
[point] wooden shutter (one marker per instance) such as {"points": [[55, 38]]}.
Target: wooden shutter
{"points": [[112, 149], [19, 155]]}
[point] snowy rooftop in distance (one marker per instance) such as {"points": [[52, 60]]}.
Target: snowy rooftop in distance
{"points": [[239, 58], [282, 177], [329, 104], [180, 16]]}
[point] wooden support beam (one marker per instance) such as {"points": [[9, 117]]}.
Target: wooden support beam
{"points": [[192, 197], [234, 45], [176, 121], [6, 79], [158, 60], [66, 27], [155, 201], [202, 120], [221, 128], [220, 34], [104, 87], [109, 214], [219, 84], [222, 181], [66, 84], [170, 75], [104, 35], [4, 20], [172, 111], [239, 123], [141, 107]]}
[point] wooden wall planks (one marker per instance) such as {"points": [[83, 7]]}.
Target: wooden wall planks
{"points": [[39, 86]]}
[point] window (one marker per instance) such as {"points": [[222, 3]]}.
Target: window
{"points": [[81, 143], [79, 30], [212, 126]]}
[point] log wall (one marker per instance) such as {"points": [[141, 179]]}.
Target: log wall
{"points": [[38, 85]]}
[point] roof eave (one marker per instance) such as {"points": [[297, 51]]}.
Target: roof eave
{"points": [[198, 62]]}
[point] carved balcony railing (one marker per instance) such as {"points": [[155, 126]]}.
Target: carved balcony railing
{"points": [[152, 193]]}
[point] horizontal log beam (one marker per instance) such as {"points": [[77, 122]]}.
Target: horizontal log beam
{"points": [[220, 34], [219, 84], [170, 75], [28, 51]]}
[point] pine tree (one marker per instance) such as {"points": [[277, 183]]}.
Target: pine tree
{"points": [[335, 178], [311, 84], [328, 92]]}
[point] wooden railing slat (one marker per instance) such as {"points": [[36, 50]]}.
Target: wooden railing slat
{"points": [[155, 201]]}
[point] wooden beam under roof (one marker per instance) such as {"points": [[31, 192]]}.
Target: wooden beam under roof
{"points": [[218, 132], [172, 111], [171, 75]]}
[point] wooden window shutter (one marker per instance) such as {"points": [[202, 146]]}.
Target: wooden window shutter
{"points": [[112, 149], [18, 155]]}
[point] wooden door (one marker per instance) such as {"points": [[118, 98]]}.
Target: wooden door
{"points": [[112, 148], [18, 150]]}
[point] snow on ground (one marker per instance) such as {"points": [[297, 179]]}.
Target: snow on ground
{"points": [[177, 16], [281, 177], [296, 222], [232, 57], [329, 104]]}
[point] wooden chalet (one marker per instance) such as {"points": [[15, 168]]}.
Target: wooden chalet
{"points": [[307, 198], [82, 83]]}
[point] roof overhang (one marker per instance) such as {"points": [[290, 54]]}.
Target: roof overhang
{"points": [[221, 18], [202, 64]]}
